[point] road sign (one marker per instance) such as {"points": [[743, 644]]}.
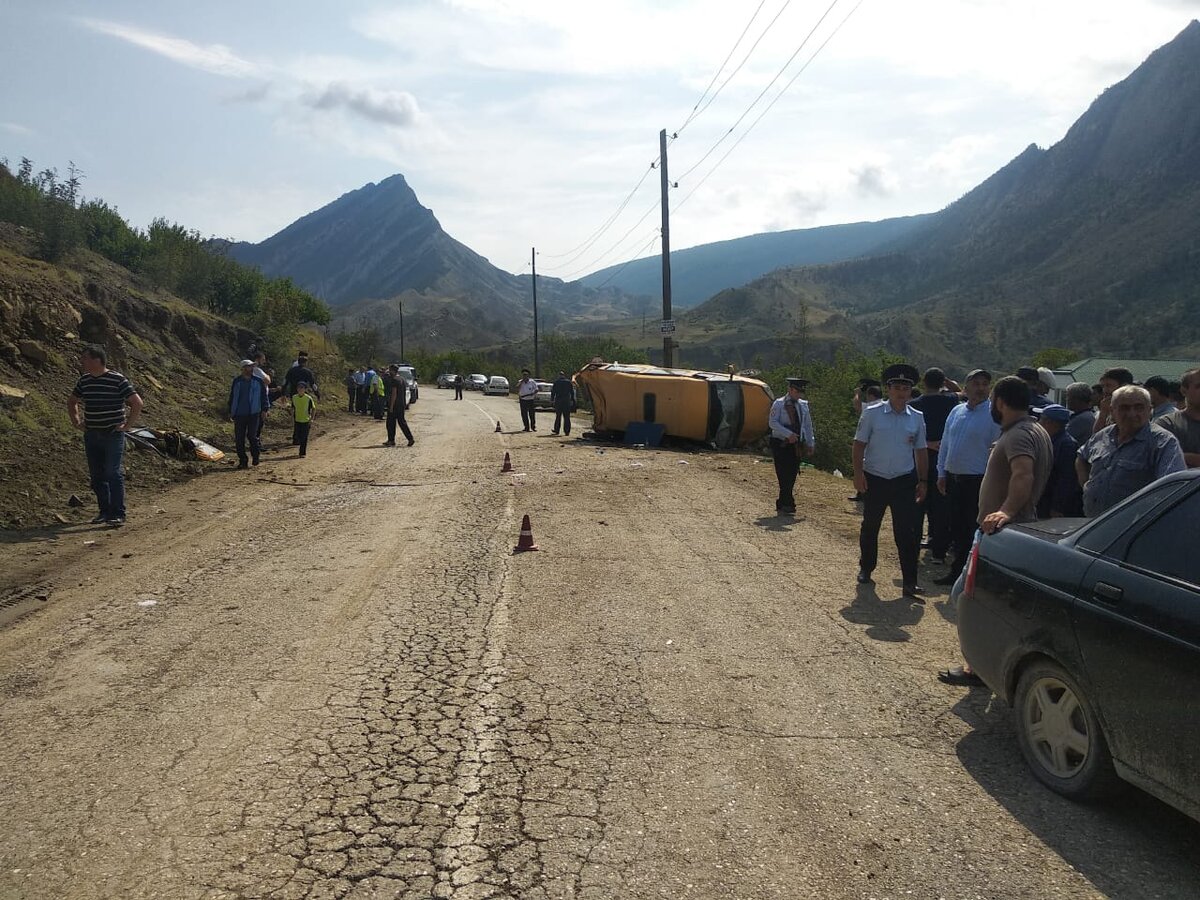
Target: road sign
{"points": [[667, 326]]}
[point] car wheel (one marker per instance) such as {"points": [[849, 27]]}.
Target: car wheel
{"points": [[1060, 736]]}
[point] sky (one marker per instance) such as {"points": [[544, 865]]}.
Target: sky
{"points": [[529, 123]]}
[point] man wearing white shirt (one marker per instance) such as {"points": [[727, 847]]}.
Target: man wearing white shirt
{"points": [[791, 434], [527, 390]]}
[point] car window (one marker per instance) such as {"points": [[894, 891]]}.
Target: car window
{"points": [[1105, 531], [1168, 545]]}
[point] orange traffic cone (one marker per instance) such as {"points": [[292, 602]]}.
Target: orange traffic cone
{"points": [[526, 540], [507, 467], [497, 426]]}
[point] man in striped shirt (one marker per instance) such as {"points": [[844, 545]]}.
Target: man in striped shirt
{"points": [[104, 395]]}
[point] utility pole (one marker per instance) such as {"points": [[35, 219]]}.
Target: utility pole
{"points": [[537, 363], [403, 358], [668, 339]]}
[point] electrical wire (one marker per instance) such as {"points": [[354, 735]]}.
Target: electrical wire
{"points": [[594, 264], [637, 255], [582, 248], [717, 74], [761, 93], [768, 107]]}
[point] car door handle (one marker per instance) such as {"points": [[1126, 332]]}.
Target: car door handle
{"points": [[1107, 592]]}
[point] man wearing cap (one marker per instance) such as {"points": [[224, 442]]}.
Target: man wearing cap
{"points": [[1037, 391], [890, 470], [935, 405], [962, 460], [1062, 495], [791, 434], [247, 406]]}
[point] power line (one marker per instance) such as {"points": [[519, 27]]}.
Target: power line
{"points": [[761, 93], [768, 107], [591, 267], [637, 254], [721, 68], [595, 235]]}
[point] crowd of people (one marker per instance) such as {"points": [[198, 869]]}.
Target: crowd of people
{"points": [[959, 458]]}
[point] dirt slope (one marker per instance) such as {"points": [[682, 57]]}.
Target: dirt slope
{"points": [[675, 697]]}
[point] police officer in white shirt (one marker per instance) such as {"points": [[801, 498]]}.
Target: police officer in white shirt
{"points": [[890, 469], [791, 435], [527, 389]]}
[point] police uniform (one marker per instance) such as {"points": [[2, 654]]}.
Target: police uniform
{"points": [[890, 439], [789, 418]]}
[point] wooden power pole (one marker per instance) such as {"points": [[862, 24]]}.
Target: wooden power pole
{"points": [[668, 324], [537, 362]]}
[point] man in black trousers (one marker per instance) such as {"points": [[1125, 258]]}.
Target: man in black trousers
{"points": [[890, 470], [397, 400]]}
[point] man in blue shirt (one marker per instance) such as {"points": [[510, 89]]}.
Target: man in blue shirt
{"points": [[890, 469], [791, 435], [1062, 495], [1121, 459], [935, 405], [966, 442], [247, 406]]}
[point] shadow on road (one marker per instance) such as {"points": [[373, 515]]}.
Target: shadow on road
{"points": [[887, 618], [1131, 847], [47, 533], [778, 523]]}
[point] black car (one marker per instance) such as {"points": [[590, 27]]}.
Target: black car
{"points": [[1090, 631]]}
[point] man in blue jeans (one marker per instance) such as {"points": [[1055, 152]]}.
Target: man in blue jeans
{"points": [[103, 395]]}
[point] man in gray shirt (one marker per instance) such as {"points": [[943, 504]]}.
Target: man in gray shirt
{"points": [[1120, 460], [1185, 423], [1078, 399]]}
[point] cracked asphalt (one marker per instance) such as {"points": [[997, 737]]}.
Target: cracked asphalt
{"points": [[331, 677]]}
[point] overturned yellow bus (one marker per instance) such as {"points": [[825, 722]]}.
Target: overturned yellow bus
{"points": [[719, 409]]}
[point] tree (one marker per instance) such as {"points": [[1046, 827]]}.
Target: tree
{"points": [[1054, 357]]}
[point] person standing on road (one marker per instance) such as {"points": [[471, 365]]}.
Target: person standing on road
{"points": [[935, 405], [1016, 476], [104, 396], [297, 373], [562, 396], [527, 390], [890, 470], [1185, 423], [376, 393], [966, 442], [1120, 460], [247, 406], [791, 436], [351, 390], [1062, 495], [304, 410], [360, 393], [397, 400], [458, 387]]}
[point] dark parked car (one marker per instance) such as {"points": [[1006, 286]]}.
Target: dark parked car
{"points": [[1090, 631]]}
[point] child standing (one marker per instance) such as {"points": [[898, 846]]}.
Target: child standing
{"points": [[303, 410]]}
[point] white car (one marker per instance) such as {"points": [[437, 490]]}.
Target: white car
{"points": [[475, 382], [497, 384]]}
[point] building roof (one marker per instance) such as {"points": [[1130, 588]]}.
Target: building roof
{"points": [[1089, 370]]}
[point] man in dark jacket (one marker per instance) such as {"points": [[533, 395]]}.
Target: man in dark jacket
{"points": [[297, 373], [247, 406], [562, 397], [1062, 495]]}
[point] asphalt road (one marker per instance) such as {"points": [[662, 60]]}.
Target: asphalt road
{"points": [[331, 677]]}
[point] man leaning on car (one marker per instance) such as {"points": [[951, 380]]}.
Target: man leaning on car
{"points": [[1123, 458]]}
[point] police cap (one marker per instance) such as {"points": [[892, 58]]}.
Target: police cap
{"points": [[798, 383], [901, 372]]}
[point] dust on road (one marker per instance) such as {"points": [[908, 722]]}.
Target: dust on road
{"points": [[332, 678]]}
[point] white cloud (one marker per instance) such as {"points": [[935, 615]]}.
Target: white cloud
{"points": [[397, 108], [215, 58], [17, 128]]}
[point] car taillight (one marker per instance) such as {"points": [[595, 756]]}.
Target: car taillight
{"points": [[972, 565]]}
